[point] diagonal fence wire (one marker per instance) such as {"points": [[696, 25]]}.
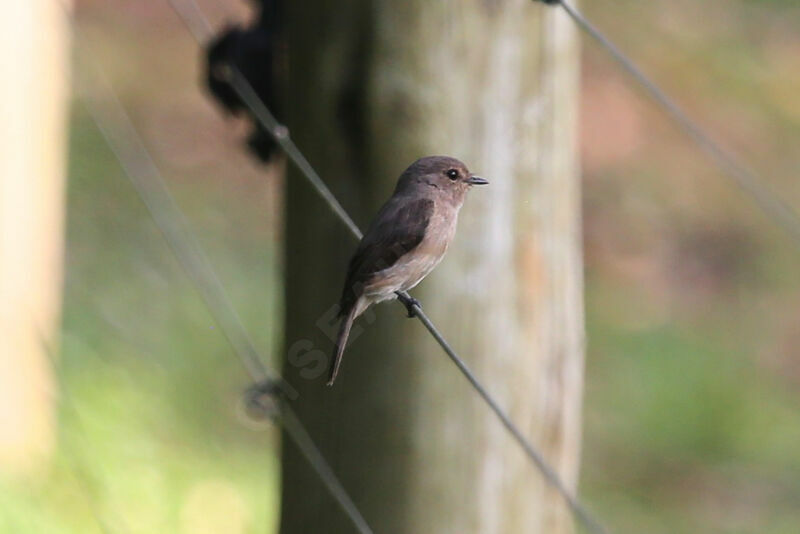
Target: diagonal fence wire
{"points": [[200, 28], [193, 18], [775, 208], [119, 132]]}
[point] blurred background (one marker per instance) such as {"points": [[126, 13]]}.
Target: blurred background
{"points": [[692, 399]]}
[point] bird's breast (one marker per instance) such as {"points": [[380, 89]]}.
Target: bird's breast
{"points": [[411, 268]]}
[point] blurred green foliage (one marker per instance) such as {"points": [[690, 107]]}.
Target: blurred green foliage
{"points": [[152, 434], [692, 401]]}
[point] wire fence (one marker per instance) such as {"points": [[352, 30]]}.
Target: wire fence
{"points": [[119, 132], [778, 211], [117, 129], [199, 26]]}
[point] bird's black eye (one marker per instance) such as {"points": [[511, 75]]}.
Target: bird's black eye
{"points": [[452, 174]]}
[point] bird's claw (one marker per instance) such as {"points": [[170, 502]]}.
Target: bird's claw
{"points": [[410, 303]]}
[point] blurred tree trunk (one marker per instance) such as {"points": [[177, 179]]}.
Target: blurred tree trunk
{"points": [[33, 95], [375, 85]]}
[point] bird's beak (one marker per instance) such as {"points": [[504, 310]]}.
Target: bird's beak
{"points": [[477, 180]]}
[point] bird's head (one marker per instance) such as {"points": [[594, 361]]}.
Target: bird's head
{"points": [[441, 176]]}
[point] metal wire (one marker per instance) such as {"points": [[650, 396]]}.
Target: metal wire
{"points": [[119, 132], [195, 21], [261, 113], [780, 212], [583, 515], [281, 134]]}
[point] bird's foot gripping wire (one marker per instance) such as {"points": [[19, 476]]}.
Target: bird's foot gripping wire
{"points": [[409, 302]]}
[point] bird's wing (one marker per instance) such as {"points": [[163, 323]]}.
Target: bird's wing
{"points": [[397, 230]]}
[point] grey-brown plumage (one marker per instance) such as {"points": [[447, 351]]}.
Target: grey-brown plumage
{"points": [[405, 241]]}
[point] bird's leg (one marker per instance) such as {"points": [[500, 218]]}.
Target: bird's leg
{"points": [[409, 302]]}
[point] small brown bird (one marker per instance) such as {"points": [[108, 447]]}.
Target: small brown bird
{"points": [[405, 241]]}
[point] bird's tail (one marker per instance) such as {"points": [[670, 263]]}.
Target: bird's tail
{"points": [[341, 342]]}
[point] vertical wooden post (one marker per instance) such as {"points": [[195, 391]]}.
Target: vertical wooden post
{"points": [[34, 59], [375, 85]]}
